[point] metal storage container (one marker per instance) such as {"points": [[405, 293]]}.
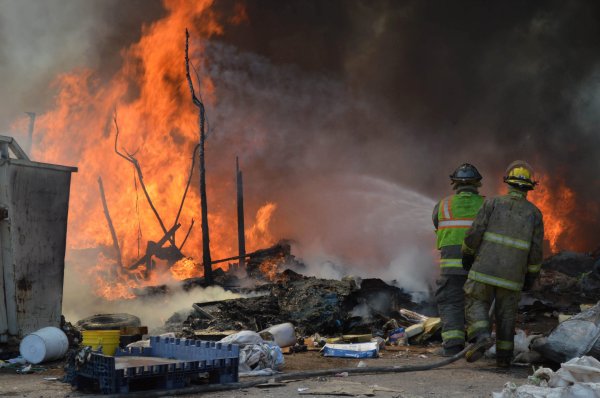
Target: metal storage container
{"points": [[33, 231]]}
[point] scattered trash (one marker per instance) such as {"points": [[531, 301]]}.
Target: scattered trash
{"points": [[46, 344], [18, 361], [412, 316], [380, 342], [343, 374], [244, 337], [414, 330], [283, 334], [564, 317], [361, 350], [25, 369], [423, 356], [51, 378], [256, 354], [361, 364], [261, 356], [540, 377], [573, 338], [397, 337], [302, 389], [579, 377]]}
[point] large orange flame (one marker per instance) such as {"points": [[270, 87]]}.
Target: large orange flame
{"points": [[557, 203], [158, 123]]}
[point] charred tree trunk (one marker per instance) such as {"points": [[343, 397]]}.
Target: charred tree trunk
{"points": [[206, 259], [240, 215]]}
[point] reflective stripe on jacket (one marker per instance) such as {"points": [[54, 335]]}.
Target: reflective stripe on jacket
{"points": [[506, 238], [452, 217], [455, 215]]}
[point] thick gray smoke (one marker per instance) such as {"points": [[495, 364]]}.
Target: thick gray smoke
{"points": [[480, 82], [297, 140], [351, 114], [41, 39]]}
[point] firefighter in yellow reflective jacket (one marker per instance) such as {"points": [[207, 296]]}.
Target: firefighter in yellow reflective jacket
{"points": [[503, 253], [452, 216]]}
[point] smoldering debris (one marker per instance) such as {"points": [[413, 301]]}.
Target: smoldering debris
{"points": [[280, 294], [312, 304]]}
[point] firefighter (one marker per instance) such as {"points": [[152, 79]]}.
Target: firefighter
{"points": [[503, 253], [452, 217]]}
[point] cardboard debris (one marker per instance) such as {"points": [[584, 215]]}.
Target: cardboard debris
{"points": [[361, 350], [414, 330]]}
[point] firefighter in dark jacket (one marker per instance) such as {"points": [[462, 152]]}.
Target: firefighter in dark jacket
{"points": [[452, 217], [503, 253]]}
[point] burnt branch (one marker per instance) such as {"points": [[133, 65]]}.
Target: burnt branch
{"points": [[187, 235], [187, 186], [113, 233], [130, 157]]}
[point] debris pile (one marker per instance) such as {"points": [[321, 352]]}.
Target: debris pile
{"points": [[314, 306], [570, 278]]}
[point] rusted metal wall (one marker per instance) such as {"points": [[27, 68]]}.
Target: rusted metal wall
{"points": [[32, 242]]}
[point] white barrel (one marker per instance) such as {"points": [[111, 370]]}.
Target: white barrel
{"points": [[283, 334], [47, 344]]}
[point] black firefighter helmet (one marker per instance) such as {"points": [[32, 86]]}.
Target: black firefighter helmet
{"points": [[466, 173]]}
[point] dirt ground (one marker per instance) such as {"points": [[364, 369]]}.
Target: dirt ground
{"points": [[459, 379]]}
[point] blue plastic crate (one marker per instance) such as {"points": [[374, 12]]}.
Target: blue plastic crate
{"points": [[184, 359]]}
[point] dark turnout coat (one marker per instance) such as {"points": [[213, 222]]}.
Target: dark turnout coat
{"points": [[506, 238]]}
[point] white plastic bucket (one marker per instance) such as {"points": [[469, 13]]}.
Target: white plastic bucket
{"points": [[283, 334], [47, 344]]}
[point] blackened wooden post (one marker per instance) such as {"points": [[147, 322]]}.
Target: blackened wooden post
{"points": [[206, 259], [240, 215]]}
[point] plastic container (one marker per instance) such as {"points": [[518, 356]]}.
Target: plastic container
{"points": [[283, 334], [107, 339], [47, 344]]}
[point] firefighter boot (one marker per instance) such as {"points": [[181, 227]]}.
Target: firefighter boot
{"points": [[503, 362], [482, 344]]}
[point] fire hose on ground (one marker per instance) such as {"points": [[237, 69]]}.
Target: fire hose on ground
{"points": [[293, 376]]}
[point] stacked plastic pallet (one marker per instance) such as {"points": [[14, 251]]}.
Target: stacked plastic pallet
{"points": [[168, 363]]}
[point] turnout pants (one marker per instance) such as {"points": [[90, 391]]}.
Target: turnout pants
{"points": [[450, 299], [478, 299]]}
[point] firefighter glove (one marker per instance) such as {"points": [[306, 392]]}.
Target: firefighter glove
{"points": [[467, 261]]}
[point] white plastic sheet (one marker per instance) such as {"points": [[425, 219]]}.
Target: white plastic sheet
{"points": [[257, 357], [577, 378]]}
